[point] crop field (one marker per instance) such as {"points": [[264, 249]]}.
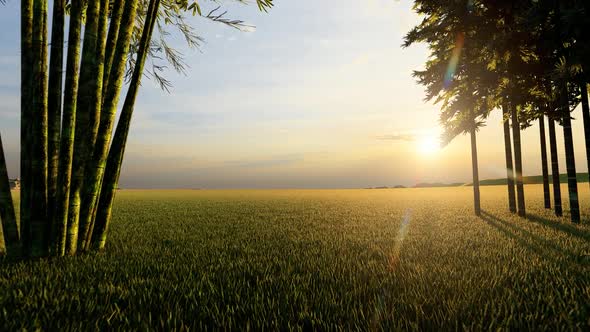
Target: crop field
{"points": [[322, 259]]}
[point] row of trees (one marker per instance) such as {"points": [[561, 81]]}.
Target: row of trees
{"points": [[528, 59], [70, 157]]}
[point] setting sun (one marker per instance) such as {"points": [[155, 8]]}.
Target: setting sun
{"points": [[428, 145]]}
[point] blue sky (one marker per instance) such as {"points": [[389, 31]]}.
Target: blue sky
{"points": [[313, 98]]}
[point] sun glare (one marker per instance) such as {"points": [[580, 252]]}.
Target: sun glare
{"points": [[428, 145]]}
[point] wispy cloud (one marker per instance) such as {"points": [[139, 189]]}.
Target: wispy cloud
{"points": [[410, 135], [272, 162], [401, 137]]}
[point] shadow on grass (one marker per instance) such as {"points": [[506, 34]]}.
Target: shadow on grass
{"points": [[543, 247], [569, 228]]}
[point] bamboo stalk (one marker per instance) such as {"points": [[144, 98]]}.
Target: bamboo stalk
{"points": [[95, 110], [66, 150], [54, 104], [9, 225], [111, 43], [94, 177], [39, 160], [85, 123], [115, 157], [26, 122]]}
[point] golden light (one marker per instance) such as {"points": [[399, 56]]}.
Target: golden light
{"points": [[428, 145]]}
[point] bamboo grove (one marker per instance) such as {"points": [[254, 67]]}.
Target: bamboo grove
{"points": [[529, 60], [72, 148]]}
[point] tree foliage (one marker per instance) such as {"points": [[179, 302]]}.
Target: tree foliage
{"points": [[530, 56]]}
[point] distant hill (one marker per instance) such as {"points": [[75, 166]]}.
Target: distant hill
{"points": [[386, 187], [533, 179], [437, 184]]}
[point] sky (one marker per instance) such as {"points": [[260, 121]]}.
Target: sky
{"points": [[318, 95]]}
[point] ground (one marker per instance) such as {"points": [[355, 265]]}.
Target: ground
{"points": [[353, 259]]}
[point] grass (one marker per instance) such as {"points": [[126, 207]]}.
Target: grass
{"points": [[345, 259]]}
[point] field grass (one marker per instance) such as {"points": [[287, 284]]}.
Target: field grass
{"points": [[324, 259]]}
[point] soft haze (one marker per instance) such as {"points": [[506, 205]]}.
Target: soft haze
{"points": [[319, 96]]}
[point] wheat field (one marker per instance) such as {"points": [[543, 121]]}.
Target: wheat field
{"points": [[388, 259]]}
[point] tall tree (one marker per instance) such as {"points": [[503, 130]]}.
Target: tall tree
{"points": [[537, 50], [586, 119], [555, 168], [509, 165], [518, 162], [475, 172], [565, 71], [572, 182], [544, 168]]}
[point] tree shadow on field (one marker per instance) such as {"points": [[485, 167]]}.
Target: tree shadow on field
{"points": [[569, 228], [543, 247]]}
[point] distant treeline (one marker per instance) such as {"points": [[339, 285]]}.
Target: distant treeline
{"points": [[533, 179]]}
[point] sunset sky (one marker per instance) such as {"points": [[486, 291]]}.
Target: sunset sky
{"points": [[318, 96]]}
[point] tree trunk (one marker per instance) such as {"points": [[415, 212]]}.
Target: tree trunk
{"points": [[89, 175], [475, 171], [546, 194], [66, 150], [96, 172], [54, 104], [115, 157], [9, 226], [26, 101], [85, 122], [586, 117], [39, 165], [509, 166], [518, 162], [555, 168], [572, 182]]}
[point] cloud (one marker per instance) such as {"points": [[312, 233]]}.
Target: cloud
{"points": [[411, 135], [403, 137], [276, 161]]}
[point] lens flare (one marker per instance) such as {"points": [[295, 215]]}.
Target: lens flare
{"points": [[452, 68], [401, 235]]}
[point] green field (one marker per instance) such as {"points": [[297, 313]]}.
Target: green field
{"points": [[323, 259]]}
